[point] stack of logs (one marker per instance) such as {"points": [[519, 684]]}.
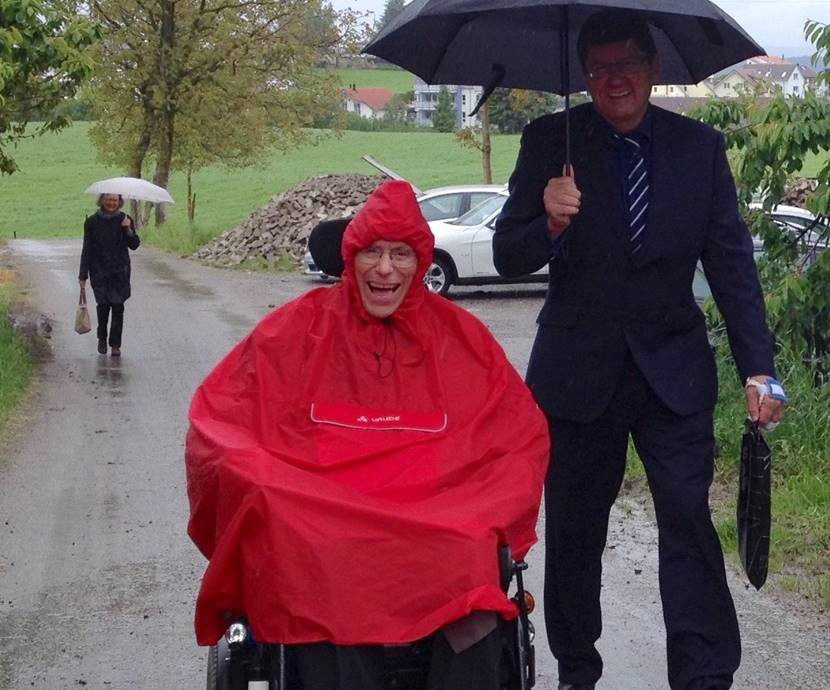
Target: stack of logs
{"points": [[799, 190], [280, 228]]}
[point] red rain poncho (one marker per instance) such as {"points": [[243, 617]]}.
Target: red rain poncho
{"points": [[350, 478]]}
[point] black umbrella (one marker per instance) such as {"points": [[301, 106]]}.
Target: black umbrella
{"points": [[531, 44], [754, 504]]}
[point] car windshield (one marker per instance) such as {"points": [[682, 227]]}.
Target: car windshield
{"points": [[479, 214]]}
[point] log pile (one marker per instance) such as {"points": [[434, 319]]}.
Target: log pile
{"points": [[799, 190], [280, 228]]}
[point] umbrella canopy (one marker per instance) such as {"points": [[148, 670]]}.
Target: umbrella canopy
{"points": [[527, 43], [131, 188]]}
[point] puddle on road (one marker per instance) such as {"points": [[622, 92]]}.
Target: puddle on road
{"points": [[167, 277], [46, 250], [109, 373]]}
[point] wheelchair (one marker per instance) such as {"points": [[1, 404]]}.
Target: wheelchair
{"points": [[238, 662]]}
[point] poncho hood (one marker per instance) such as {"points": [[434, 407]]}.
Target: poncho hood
{"points": [[390, 213], [350, 478]]}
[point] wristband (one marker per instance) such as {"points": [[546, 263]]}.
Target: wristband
{"points": [[770, 388]]}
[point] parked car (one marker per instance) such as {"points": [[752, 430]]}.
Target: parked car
{"points": [[447, 203], [798, 221], [464, 250], [440, 203]]}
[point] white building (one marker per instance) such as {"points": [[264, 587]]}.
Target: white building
{"points": [[426, 99], [700, 90], [793, 80]]}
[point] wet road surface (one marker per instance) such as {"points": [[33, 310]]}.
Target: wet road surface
{"points": [[97, 575]]}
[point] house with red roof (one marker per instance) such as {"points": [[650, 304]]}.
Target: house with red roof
{"points": [[369, 103]]}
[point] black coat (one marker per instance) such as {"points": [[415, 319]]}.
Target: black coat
{"points": [[105, 258], [602, 301]]}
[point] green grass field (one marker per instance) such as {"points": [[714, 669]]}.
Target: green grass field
{"points": [[396, 80], [46, 199]]}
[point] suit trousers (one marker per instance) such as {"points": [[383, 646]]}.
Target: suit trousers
{"points": [[103, 311], [585, 474]]}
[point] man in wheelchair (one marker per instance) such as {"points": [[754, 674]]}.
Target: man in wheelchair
{"points": [[353, 466]]}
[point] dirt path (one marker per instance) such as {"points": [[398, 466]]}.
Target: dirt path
{"points": [[97, 576]]}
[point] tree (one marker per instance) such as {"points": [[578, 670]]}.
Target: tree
{"points": [[512, 109], [479, 138], [190, 82], [44, 57], [397, 109], [390, 9], [443, 117], [770, 139]]}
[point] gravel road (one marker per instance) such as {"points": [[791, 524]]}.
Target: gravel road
{"points": [[97, 576]]}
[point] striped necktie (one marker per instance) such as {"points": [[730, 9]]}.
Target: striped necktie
{"points": [[636, 190]]}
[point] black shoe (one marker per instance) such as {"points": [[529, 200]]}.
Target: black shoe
{"points": [[116, 351], [581, 686], [102, 346]]}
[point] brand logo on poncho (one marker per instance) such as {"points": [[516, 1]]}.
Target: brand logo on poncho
{"points": [[388, 418], [357, 417]]}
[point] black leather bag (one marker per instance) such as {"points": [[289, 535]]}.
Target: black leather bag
{"points": [[754, 504]]}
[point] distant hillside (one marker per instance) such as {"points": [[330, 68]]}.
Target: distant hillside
{"points": [[806, 61]]}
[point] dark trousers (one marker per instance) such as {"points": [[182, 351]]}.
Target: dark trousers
{"points": [[117, 322], [586, 471], [324, 666]]}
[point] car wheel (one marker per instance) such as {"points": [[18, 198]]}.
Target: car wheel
{"points": [[439, 276]]}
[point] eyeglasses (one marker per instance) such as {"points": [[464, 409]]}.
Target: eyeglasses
{"points": [[401, 257], [626, 67]]}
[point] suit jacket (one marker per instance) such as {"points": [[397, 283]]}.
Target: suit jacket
{"points": [[603, 301]]}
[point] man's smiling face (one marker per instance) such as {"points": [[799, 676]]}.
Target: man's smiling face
{"points": [[384, 272], [619, 80]]}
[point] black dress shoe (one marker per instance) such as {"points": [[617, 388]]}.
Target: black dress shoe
{"points": [[102, 346], [581, 686]]}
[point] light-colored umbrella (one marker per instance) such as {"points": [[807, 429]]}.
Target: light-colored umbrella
{"points": [[131, 188]]}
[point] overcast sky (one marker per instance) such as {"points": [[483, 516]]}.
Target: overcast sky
{"points": [[775, 24]]}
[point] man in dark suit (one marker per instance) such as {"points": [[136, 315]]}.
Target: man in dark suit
{"points": [[622, 347]]}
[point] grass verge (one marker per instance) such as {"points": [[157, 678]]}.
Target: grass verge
{"points": [[15, 362]]}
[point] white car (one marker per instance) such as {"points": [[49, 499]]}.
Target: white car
{"points": [[447, 203], [440, 203], [464, 250]]}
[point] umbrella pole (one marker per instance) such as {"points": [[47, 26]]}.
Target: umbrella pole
{"points": [[566, 84]]}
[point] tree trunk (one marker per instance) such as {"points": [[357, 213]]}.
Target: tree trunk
{"points": [[191, 197], [167, 115], [140, 216], [486, 148]]}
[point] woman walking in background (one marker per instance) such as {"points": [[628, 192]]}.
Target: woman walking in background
{"points": [[105, 260]]}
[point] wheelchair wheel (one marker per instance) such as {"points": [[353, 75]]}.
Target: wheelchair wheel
{"points": [[213, 673], [224, 672]]}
